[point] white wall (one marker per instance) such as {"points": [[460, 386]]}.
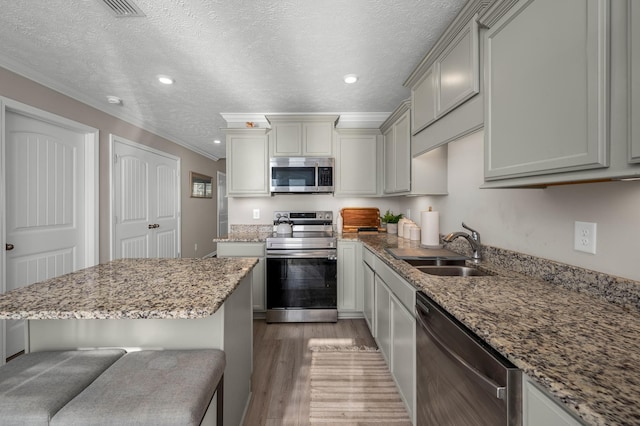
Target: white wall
{"points": [[540, 222], [241, 209]]}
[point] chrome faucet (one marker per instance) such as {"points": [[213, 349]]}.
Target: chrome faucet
{"points": [[474, 240]]}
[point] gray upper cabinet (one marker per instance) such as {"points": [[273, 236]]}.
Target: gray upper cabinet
{"points": [[547, 100], [423, 99], [446, 87], [458, 70], [453, 78], [302, 135], [397, 151], [247, 162], [634, 81]]}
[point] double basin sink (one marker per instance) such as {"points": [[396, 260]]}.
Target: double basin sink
{"points": [[440, 262]]}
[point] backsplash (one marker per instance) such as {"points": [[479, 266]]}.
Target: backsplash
{"points": [[620, 291], [250, 229]]}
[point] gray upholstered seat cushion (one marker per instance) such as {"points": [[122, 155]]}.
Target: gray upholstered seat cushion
{"points": [[34, 386], [172, 387]]}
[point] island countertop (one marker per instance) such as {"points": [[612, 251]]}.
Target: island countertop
{"points": [[131, 288]]}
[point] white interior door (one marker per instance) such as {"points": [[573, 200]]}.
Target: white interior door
{"points": [[146, 202], [46, 206], [223, 206]]}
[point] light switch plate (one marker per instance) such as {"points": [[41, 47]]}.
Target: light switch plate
{"points": [[585, 237]]}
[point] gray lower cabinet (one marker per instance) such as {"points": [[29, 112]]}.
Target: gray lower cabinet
{"points": [[383, 318], [395, 329], [349, 279], [547, 89], [403, 342], [540, 409], [368, 287], [634, 81], [242, 249]]}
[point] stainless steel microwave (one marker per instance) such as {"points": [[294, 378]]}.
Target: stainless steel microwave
{"points": [[301, 174]]}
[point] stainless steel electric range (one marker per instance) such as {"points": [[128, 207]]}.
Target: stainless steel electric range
{"points": [[302, 268]]}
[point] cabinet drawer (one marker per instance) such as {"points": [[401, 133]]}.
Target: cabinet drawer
{"points": [[404, 291], [241, 249], [369, 258]]}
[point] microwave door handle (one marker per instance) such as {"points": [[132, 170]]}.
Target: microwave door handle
{"points": [[486, 383]]}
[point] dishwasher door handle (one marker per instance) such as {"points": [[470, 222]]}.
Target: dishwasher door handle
{"points": [[486, 383]]}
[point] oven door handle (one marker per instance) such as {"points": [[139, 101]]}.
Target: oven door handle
{"points": [[486, 383], [303, 254]]}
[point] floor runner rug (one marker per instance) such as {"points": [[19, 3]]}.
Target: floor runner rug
{"points": [[353, 386]]}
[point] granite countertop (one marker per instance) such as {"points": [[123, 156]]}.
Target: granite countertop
{"points": [[582, 349], [245, 237], [131, 288]]}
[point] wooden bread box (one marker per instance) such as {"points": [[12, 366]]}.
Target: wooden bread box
{"points": [[354, 218]]}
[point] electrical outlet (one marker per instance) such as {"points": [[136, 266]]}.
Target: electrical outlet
{"points": [[584, 237], [195, 248], [408, 216], [256, 213]]}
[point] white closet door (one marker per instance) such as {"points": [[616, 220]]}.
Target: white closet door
{"points": [[146, 197], [45, 206]]}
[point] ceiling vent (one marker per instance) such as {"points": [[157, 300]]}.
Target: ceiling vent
{"points": [[124, 8]]}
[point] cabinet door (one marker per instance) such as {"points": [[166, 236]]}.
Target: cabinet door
{"points": [[369, 299], [389, 161], [383, 318], [547, 103], [402, 130], [356, 164], [458, 70], [423, 101], [287, 139], [317, 139], [247, 163], [403, 341], [634, 73], [539, 409], [347, 277]]}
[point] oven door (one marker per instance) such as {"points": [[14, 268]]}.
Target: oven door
{"points": [[302, 279]]}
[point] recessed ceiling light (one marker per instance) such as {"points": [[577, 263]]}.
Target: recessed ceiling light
{"points": [[165, 79], [350, 78], [216, 141], [114, 100]]}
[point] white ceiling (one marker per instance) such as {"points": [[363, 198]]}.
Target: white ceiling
{"points": [[226, 56]]}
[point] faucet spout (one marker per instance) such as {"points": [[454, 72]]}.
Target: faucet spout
{"points": [[473, 239]]}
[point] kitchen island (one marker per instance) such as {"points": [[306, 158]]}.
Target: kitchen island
{"points": [[578, 338], [147, 304]]}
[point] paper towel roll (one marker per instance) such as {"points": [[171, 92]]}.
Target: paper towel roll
{"points": [[430, 224]]}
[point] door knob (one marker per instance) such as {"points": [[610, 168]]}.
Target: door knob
{"points": [[154, 225], [9, 247]]}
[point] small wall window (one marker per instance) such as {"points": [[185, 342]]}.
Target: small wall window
{"points": [[201, 186]]}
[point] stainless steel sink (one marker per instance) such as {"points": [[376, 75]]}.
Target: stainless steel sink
{"points": [[453, 271], [436, 261]]}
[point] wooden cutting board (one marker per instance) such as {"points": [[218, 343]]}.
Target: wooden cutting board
{"points": [[359, 217]]}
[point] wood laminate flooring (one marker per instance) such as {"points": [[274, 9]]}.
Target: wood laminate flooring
{"points": [[281, 382]]}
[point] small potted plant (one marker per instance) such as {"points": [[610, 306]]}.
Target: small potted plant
{"points": [[392, 221]]}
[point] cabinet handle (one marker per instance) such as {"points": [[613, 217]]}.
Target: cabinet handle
{"points": [[9, 247]]}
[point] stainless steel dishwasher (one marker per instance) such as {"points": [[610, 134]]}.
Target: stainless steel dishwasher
{"points": [[460, 379]]}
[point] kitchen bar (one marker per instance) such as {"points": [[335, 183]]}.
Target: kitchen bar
{"points": [[149, 304]]}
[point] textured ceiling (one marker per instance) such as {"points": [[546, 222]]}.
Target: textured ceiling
{"points": [[240, 56]]}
